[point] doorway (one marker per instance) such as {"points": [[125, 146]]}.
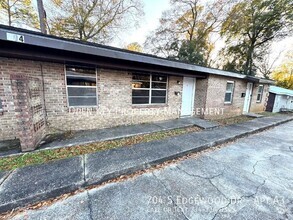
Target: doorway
{"points": [[188, 96], [248, 96]]}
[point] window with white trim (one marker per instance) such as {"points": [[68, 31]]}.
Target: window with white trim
{"points": [[149, 89], [229, 92], [259, 93], [81, 86]]}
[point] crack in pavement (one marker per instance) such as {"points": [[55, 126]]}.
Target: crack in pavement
{"points": [[254, 166], [258, 161], [237, 200], [83, 160], [89, 205], [209, 179], [218, 211], [253, 194], [5, 178], [229, 199], [170, 193]]}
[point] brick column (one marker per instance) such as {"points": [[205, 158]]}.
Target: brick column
{"points": [[28, 134]]}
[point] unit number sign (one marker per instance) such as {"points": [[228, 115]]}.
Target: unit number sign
{"points": [[15, 37]]}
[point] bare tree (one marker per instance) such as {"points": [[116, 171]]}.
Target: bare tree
{"points": [[185, 30], [42, 16], [265, 64], [18, 12], [94, 20]]}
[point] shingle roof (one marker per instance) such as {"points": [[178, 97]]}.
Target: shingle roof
{"points": [[34, 38]]}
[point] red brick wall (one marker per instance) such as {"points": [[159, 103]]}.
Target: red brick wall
{"points": [[200, 96], [23, 115], [114, 103], [216, 94], [8, 127], [259, 106], [114, 99]]}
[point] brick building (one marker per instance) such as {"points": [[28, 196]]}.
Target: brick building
{"points": [[53, 83]]}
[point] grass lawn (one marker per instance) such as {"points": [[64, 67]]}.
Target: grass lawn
{"points": [[233, 120], [13, 162], [266, 114]]}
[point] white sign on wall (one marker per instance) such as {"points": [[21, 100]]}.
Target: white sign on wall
{"points": [[15, 37]]}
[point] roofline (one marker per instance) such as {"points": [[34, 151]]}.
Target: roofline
{"points": [[34, 38], [287, 92], [260, 80]]}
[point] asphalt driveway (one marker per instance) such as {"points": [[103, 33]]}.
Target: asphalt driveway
{"points": [[249, 179]]}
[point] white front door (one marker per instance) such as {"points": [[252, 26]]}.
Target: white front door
{"points": [[247, 99], [187, 96]]}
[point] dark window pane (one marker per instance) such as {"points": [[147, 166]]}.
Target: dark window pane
{"points": [[79, 71], [76, 91], [145, 77], [159, 78], [159, 85], [140, 100], [81, 81], [228, 97], [260, 88], [158, 93], [1, 107], [258, 97], [82, 101], [140, 85], [136, 92], [158, 99]]}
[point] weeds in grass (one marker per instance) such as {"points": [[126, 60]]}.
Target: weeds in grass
{"points": [[44, 156]]}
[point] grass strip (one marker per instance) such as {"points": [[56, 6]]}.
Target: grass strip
{"points": [[44, 156]]}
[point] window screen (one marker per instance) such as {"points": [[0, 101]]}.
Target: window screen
{"points": [[229, 92], [259, 93], [149, 89], [81, 86]]}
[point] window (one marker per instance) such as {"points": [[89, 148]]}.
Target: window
{"points": [[229, 92], [1, 107], [81, 86], [149, 89], [259, 93]]}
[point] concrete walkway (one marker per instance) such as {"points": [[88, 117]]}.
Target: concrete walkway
{"points": [[35, 183], [248, 179], [91, 136]]}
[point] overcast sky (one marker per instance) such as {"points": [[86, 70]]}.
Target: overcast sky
{"points": [[153, 10]]}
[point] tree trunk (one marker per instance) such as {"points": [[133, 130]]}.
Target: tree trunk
{"points": [[249, 60], [9, 13], [42, 16]]}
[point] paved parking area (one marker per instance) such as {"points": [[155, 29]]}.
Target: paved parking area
{"points": [[249, 179]]}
